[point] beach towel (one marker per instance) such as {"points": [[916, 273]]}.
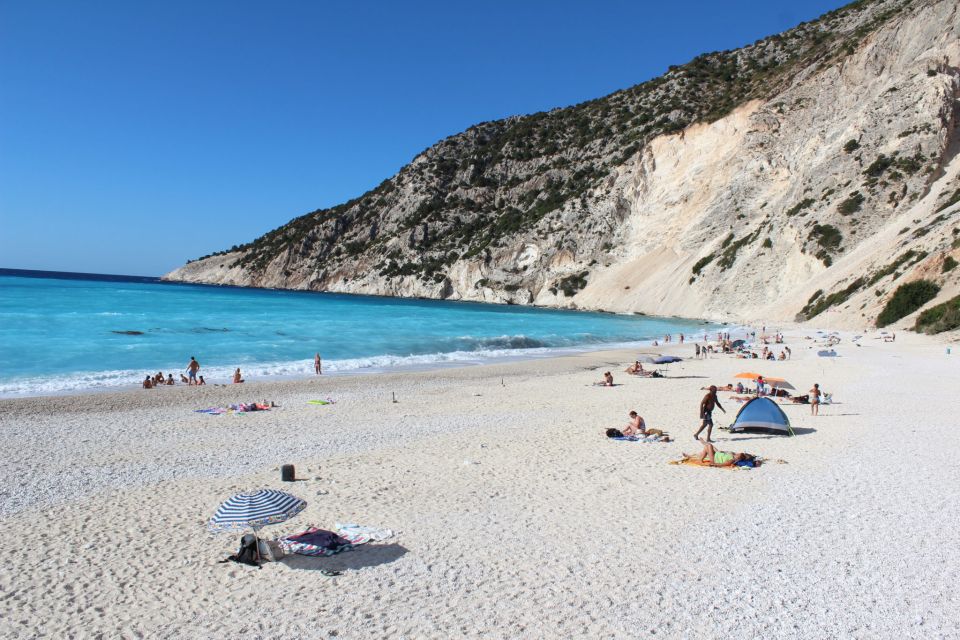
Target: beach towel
{"points": [[240, 408], [318, 542], [694, 462], [367, 534], [320, 402], [642, 438]]}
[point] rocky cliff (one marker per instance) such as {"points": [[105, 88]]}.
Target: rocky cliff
{"points": [[806, 176]]}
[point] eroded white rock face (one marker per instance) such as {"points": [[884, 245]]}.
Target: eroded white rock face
{"points": [[749, 191]]}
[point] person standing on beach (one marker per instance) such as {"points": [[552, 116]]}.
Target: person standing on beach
{"points": [[317, 364], [815, 400], [706, 412], [192, 367]]}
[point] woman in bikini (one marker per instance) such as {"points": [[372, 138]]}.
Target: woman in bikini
{"points": [[715, 458]]}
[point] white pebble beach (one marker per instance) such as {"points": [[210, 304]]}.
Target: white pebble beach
{"points": [[514, 516]]}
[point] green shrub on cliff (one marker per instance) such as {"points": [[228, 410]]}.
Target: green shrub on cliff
{"points": [[907, 299]]}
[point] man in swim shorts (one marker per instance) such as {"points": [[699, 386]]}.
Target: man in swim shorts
{"points": [[192, 367], [706, 412]]}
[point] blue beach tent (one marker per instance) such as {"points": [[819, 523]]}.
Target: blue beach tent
{"points": [[761, 415]]}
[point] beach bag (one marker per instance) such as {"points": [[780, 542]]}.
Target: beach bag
{"points": [[247, 553], [614, 433], [271, 551]]}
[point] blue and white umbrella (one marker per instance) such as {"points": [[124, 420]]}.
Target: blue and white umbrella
{"points": [[255, 510], [667, 359]]}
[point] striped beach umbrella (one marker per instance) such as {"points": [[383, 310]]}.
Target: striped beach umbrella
{"points": [[255, 510]]}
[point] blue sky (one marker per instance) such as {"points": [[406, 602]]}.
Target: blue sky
{"points": [[134, 136]]}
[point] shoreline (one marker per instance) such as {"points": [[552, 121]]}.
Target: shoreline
{"points": [[429, 362]]}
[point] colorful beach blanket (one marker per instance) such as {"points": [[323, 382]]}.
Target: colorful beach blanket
{"points": [[235, 408], [642, 438], [320, 542], [696, 462]]}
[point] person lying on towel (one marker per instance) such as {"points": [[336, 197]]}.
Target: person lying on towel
{"points": [[715, 458]]}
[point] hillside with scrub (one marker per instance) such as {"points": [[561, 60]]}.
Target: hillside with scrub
{"points": [[809, 176]]}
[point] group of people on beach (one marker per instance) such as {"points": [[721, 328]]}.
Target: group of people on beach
{"points": [[194, 379], [151, 382], [636, 426]]}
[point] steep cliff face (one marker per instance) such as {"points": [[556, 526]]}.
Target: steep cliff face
{"points": [[805, 176]]}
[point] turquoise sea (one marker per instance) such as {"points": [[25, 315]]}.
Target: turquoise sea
{"points": [[62, 333]]}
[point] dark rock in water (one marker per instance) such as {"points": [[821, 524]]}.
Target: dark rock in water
{"points": [[128, 333], [209, 330]]}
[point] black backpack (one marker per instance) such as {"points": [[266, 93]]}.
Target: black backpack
{"points": [[614, 433], [247, 554]]}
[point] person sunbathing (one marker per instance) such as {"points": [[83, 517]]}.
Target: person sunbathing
{"points": [[635, 368], [715, 458], [727, 387], [636, 426], [169, 379], [607, 380], [237, 378], [184, 379], [148, 383]]}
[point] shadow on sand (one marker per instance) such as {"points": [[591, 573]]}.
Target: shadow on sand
{"points": [[367, 555], [735, 437]]}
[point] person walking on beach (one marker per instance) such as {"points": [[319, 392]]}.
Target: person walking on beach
{"points": [[317, 364], [815, 400], [192, 367], [706, 412]]}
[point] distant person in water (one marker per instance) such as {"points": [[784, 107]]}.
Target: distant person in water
{"points": [[706, 412], [147, 383], [237, 378], [192, 367], [169, 379], [317, 364], [201, 382]]}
